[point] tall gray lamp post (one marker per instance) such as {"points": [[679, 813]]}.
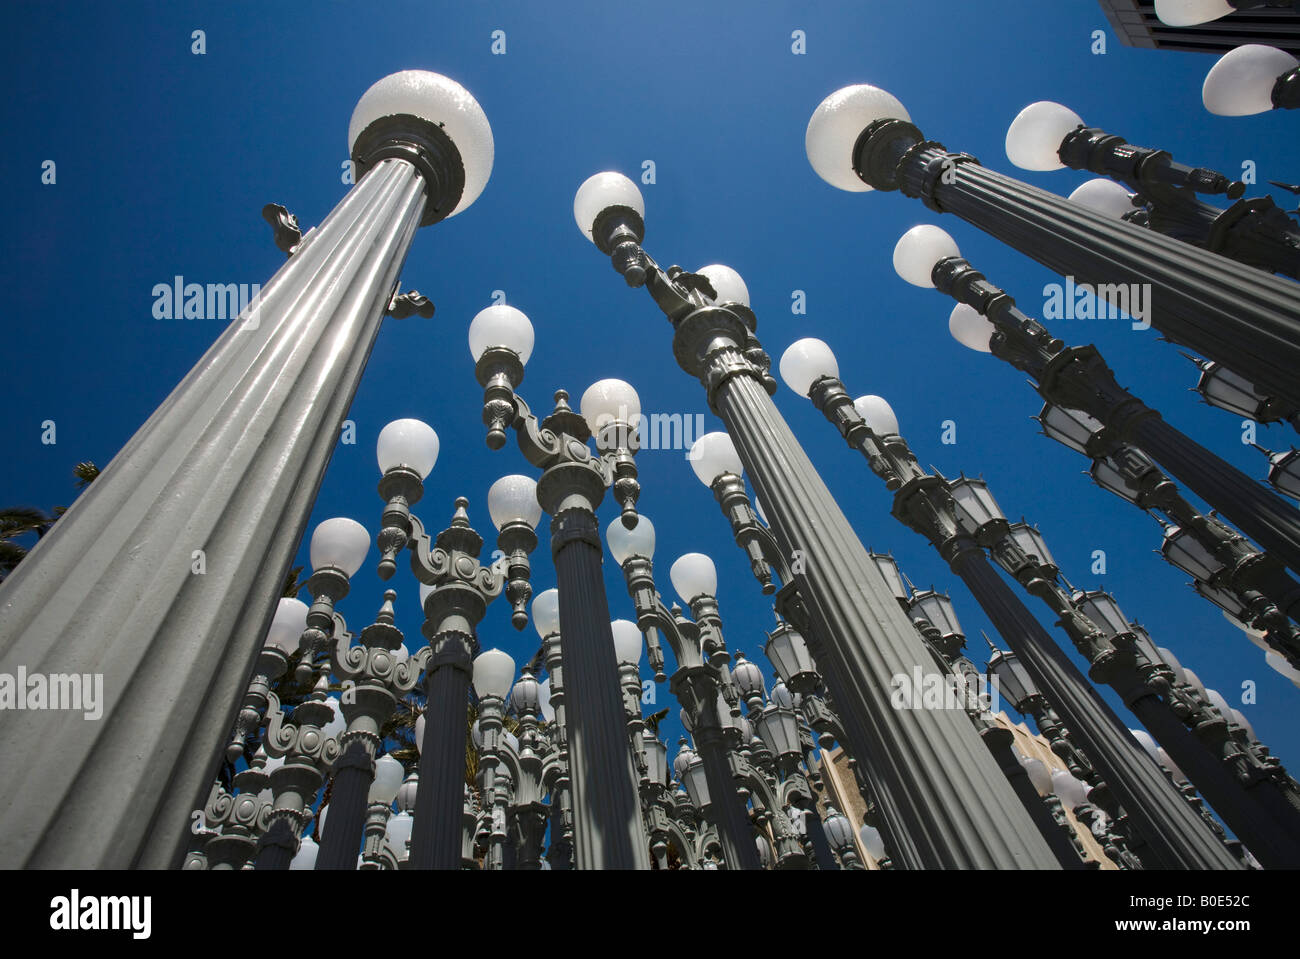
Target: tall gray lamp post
{"points": [[944, 802], [228, 465]]}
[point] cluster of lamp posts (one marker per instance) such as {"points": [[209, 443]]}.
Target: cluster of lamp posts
{"points": [[569, 773]]}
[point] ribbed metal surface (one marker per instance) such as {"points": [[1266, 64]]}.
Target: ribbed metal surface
{"points": [[1247, 319], [607, 830], [440, 798], [1175, 834], [354, 771], [944, 802], [1252, 507], [230, 463]]}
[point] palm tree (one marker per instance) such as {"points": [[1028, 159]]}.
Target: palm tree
{"points": [[16, 522], [19, 521]]}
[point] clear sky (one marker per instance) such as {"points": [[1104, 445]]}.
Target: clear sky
{"points": [[165, 158]]}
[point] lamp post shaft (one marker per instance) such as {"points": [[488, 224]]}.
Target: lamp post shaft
{"points": [[163, 575], [1174, 832], [608, 833], [1243, 317], [944, 802], [440, 798]]}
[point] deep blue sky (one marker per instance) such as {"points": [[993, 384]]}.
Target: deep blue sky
{"points": [[165, 159]]}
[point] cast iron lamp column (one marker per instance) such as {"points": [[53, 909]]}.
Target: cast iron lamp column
{"points": [[1255, 232], [229, 464], [546, 620], [924, 504], [378, 680], [453, 607], [698, 651], [944, 802], [862, 138], [608, 831], [1077, 378]]}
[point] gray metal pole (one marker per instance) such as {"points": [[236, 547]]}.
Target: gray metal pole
{"points": [[162, 577]]}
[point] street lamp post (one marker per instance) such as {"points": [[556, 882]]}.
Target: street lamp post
{"points": [[862, 138], [608, 830], [925, 504], [229, 465], [944, 802]]}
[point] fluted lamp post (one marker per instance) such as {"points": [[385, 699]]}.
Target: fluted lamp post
{"points": [[228, 465], [862, 138], [944, 803], [608, 829], [926, 504], [1077, 378]]}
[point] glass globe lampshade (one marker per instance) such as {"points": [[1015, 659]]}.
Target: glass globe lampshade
{"points": [[835, 126], [442, 102], [339, 542], [692, 575], [656, 757], [628, 643], [1172, 662], [610, 401], [513, 499], [1103, 195], [305, 857], [398, 833], [410, 443], [1218, 702], [1189, 13], [494, 671], [503, 326], [546, 612], [1277, 662], [1069, 790], [1012, 680], [1147, 743], [625, 543], [1035, 135], [919, 249], [1038, 774], [544, 700], [806, 361], [1252, 634], [696, 783], [1222, 598], [338, 723], [878, 414], [727, 283], [1163, 758], [714, 454], [388, 779], [1195, 682], [601, 191], [1240, 719], [287, 626], [971, 328], [1241, 83], [872, 841]]}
